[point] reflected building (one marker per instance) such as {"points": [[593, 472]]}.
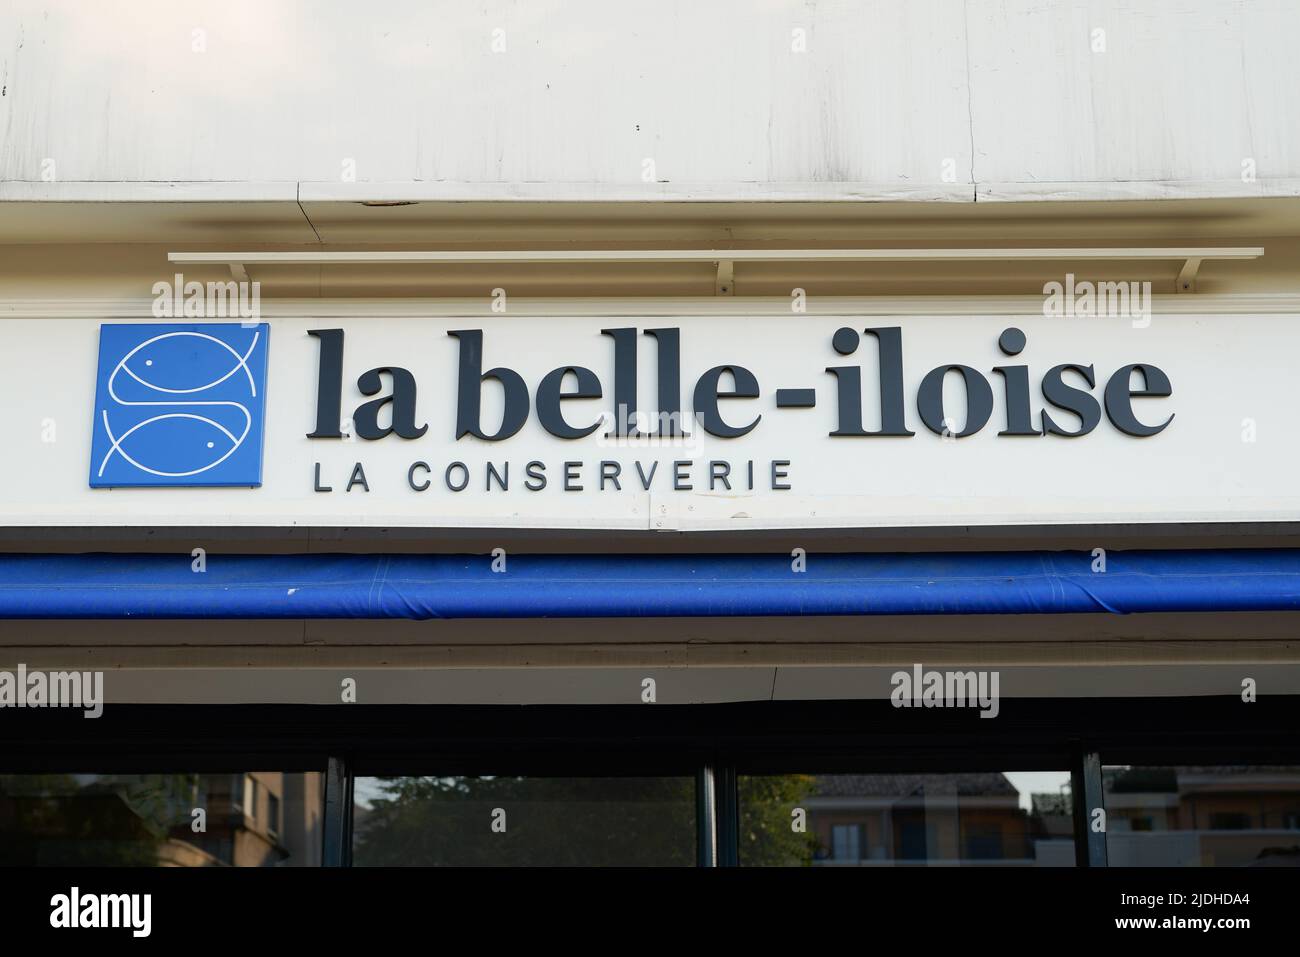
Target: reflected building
{"points": [[1203, 816], [935, 819], [249, 819]]}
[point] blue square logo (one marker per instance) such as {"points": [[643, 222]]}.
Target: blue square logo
{"points": [[179, 405]]}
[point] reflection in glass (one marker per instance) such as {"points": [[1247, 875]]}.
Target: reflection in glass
{"points": [[857, 820], [524, 821], [252, 819], [1202, 816]]}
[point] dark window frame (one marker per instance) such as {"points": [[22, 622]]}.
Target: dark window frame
{"points": [[715, 743]]}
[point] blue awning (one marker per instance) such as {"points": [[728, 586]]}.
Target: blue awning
{"points": [[124, 586]]}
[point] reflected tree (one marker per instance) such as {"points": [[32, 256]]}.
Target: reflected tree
{"points": [[58, 819], [767, 835], [538, 821]]}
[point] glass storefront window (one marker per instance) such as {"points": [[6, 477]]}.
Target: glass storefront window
{"points": [[249, 819], [524, 821], [863, 820], [1156, 816], [1202, 816]]}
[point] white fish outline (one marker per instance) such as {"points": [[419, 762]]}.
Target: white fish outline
{"points": [[116, 441]]}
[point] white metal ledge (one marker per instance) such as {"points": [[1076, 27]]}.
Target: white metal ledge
{"points": [[725, 259]]}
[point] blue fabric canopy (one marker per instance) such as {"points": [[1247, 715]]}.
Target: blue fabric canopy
{"points": [[618, 586]]}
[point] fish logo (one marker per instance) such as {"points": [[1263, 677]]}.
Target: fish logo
{"points": [[179, 405]]}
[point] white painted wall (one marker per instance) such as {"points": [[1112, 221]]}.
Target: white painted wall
{"points": [[1010, 92]]}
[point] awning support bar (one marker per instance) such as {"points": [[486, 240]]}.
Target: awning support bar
{"points": [[1187, 275], [725, 259]]}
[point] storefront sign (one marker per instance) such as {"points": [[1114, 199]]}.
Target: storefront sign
{"points": [[694, 422]]}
